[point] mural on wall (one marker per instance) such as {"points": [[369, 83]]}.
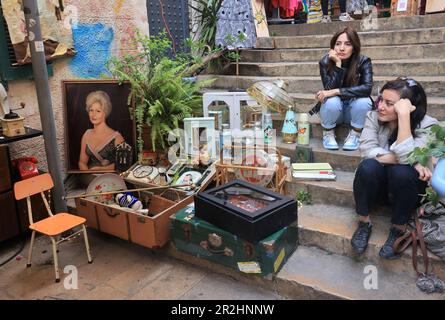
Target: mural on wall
{"points": [[57, 39], [118, 6], [93, 46]]}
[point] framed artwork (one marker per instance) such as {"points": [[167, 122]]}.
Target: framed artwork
{"points": [[98, 125], [200, 139], [303, 154]]}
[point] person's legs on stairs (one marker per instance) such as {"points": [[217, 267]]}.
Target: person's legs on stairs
{"points": [[331, 113], [404, 187], [369, 188]]}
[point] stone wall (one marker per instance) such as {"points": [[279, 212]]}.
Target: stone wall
{"points": [[104, 29]]}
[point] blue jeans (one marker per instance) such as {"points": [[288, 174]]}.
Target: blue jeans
{"points": [[334, 111]]}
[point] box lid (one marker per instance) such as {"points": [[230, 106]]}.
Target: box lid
{"points": [[245, 199]]}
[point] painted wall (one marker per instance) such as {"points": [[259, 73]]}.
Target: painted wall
{"points": [[104, 29]]}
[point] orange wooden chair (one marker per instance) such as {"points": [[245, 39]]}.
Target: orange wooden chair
{"points": [[54, 225]]}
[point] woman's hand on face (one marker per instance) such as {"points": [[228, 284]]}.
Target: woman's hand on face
{"points": [[424, 172], [404, 107], [334, 56]]}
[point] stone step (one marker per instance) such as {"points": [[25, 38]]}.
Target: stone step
{"points": [[306, 101], [312, 273], [368, 38], [433, 85], [393, 68], [330, 228], [417, 51], [339, 159], [383, 24], [338, 192]]}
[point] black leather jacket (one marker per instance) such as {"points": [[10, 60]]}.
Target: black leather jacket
{"points": [[335, 80]]}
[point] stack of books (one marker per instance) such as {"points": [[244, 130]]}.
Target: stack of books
{"points": [[313, 171]]}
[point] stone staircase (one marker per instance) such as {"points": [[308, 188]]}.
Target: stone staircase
{"points": [[324, 266]]}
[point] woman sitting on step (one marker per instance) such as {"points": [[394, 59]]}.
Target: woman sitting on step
{"points": [[390, 134], [347, 82]]}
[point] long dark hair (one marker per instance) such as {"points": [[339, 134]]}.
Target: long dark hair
{"points": [[412, 90], [351, 78]]}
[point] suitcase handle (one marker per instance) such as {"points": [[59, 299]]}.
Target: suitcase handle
{"points": [[225, 252], [109, 213]]}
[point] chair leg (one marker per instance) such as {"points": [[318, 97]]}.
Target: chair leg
{"points": [[87, 245], [56, 259], [31, 245]]}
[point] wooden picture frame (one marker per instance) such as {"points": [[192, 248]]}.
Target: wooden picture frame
{"points": [[77, 121]]}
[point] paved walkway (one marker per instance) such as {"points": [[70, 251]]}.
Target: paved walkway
{"points": [[120, 270]]}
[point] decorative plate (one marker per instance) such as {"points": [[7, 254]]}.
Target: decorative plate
{"points": [[104, 183], [189, 177], [259, 159]]}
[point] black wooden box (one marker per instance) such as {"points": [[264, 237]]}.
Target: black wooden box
{"points": [[246, 210]]}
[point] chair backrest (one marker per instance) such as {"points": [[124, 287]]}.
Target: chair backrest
{"points": [[34, 185]]}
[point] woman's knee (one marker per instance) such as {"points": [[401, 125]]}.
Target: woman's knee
{"points": [[400, 172], [362, 104], [332, 104], [369, 168]]}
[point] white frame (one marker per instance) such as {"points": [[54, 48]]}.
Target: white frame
{"points": [[208, 123]]}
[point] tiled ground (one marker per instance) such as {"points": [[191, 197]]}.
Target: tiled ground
{"points": [[120, 271]]}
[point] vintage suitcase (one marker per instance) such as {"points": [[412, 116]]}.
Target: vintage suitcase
{"points": [[250, 211], [206, 241], [152, 231]]}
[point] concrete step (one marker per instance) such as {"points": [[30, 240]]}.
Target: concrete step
{"points": [[417, 51], [368, 38], [330, 228], [338, 192], [339, 159], [394, 68], [312, 273], [433, 85], [383, 24]]}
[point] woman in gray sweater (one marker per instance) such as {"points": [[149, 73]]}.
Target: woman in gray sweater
{"points": [[390, 134]]}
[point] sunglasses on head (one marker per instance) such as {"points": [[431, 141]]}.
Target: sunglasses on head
{"points": [[409, 81]]}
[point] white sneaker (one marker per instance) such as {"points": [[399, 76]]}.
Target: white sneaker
{"points": [[352, 141], [329, 141], [346, 17], [326, 19]]}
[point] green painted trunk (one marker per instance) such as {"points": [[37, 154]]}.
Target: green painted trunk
{"points": [[205, 241]]}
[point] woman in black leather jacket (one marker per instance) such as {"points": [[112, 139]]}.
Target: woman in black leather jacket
{"points": [[347, 82]]}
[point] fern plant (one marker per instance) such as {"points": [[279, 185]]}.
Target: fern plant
{"points": [[161, 96]]}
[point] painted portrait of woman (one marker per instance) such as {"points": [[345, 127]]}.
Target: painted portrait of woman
{"points": [[98, 121]]}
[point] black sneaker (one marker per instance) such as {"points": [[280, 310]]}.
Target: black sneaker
{"points": [[386, 251], [361, 236]]}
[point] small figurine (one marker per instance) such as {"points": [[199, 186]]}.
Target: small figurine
{"points": [[129, 201]]}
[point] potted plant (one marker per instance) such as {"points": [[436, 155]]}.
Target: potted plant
{"points": [[161, 96]]}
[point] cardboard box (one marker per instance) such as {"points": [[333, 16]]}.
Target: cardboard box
{"points": [[433, 6]]}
